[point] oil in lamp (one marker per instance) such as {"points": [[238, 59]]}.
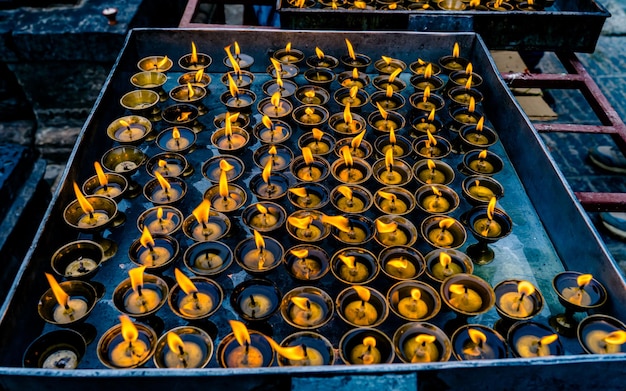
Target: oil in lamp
{"points": [[365, 346], [487, 224], [439, 199], [204, 224], [528, 339], [353, 78], [602, 334], [318, 142], [577, 292], [183, 347], [427, 80], [418, 67], [477, 136], [467, 295], [78, 260], [286, 88], [354, 266], [441, 231], [460, 78], [414, 300], [481, 162], [347, 123], [384, 81], [194, 298], [141, 295], [208, 258], [226, 197], [309, 168], [400, 146], [155, 253], [464, 115], [308, 195], [283, 70], [155, 63], [130, 129], [384, 121], [307, 262], [198, 77], [183, 114], [433, 172], [164, 190], [288, 55], [316, 349], [143, 103], [423, 123], [431, 147], [108, 184], [394, 200], [463, 94], [307, 307], [322, 60], [353, 96], [126, 345], [68, 303], [231, 165], [312, 95], [421, 342], [354, 60], [192, 94], [401, 262], [169, 164], [237, 98], [443, 263], [478, 342], [177, 139], [358, 147], [389, 171], [425, 101], [160, 220], [320, 77], [453, 62], [351, 198], [194, 60], [478, 189], [388, 65], [394, 230], [243, 61], [259, 254], [276, 107], [270, 131], [350, 170], [307, 226], [256, 299], [58, 349], [387, 99], [516, 300], [264, 216], [230, 139], [268, 185], [310, 116], [359, 306], [350, 229], [244, 349], [125, 160]]}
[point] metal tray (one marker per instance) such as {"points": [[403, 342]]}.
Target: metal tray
{"points": [[551, 233], [565, 26]]}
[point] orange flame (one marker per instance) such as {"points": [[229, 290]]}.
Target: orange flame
{"points": [[267, 171], [480, 124], [386, 195], [225, 166], [129, 331], [288, 47], [309, 93], [162, 62], [136, 278], [223, 185], [392, 137], [307, 155], [301, 302], [184, 116], [317, 134], [82, 201], [347, 115], [190, 91], [184, 282], [382, 111], [394, 74], [457, 289], [59, 293], [583, 279], [389, 158], [416, 294], [165, 185], [350, 49], [303, 253], [194, 53], [290, 352], [431, 116], [385, 228], [389, 92], [232, 86], [356, 140], [468, 83], [472, 105], [354, 90], [299, 191], [431, 164], [262, 209], [300, 222], [342, 223], [275, 99], [240, 331], [355, 73], [159, 213], [176, 134], [349, 261], [386, 59], [469, 68], [428, 72], [347, 156], [444, 259], [482, 154], [319, 53], [345, 191], [267, 121], [477, 336], [525, 288], [237, 49], [446, 223], [202, 211], [146, 239], [369, 341], [455, 50], [431, 138], [258, 240], [102, 178], [617, 337], [175, 343], [364, 293], [548, 339], [277, 66], [491, 207], [198, 76], [426, 94], [401, 263], [272, 151], [436, 191], [423, 339]]}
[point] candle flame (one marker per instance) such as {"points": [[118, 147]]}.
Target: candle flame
{"points": [[431, 138], [129, 331], [146, 239], [480, 124], [258, 240], [548, 339], [369, 342], [387, 195], [165, 185], [279, 80], [401, 263], [356, 141], [457, 289], [347, 115], [290, 352], [300, 302], [469, 68], [472, 105], [302, 253], [174, 342], [617, 337], [482, 154], [389, 92], [184, 282], [184, 116], [436, 191], [428, 72], [223, 185], [431, 164], [491, 207], [342, 223], [385, 228], [176, 134], [349, 261], [102, 178], [354, 90], [288, 47], [190, 91], [136, 278], [394, 74], [194, 53], [383, 112], [237, 49], [525, 288], [426, 94], [202, 211], [319, 53], [198, 76], [277, 66], [309, 93], [299, 191], [446, 223], [159, 213], [392, 137], [225, 166], [317, 134], [583, 279], [468, 83], [275, 99], [364, 293], [240, 331], [267, 171], [124, 123], [360, 4], [455, 50], [350, 49], [345, 191], [393, 6], [163, 61], [347, 156], [444, 259], [162, 163], [59, 294], [82, 201], [386, 59], [267, 121], [307, 155], [300, 222], [308, 111], [431, 116], [477, 336], [389, 158], [232, 86], [422, 339], [355, 73], [416, 294]]}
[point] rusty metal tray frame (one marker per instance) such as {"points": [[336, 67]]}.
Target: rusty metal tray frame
{"points": [[551, 233], [566, 25]]}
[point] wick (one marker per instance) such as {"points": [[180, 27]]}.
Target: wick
{"points": [[304, 350], [252, 301], [181, 356]]}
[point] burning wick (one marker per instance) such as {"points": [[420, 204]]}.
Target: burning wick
{"points": [[435, 203], [140, 300], [422, 348], [91, 218], [299, 355], [132, 350], [155, 256], [259, 258], [245, 355], [361, 312], [577, 295], [68, 309], [533, 346], [304, 198], [304, 267], [305, 312], [304, 227], [464, 298], [205, 230], [441, 235], [401, 268], [351, 270], [519, 303], [477, 346], [445, 267], [412, 306], [488, 227], [391, 176], [389, 234], [195, 303], [366, 353]]}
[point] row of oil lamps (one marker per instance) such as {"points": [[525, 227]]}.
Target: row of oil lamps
{"points": [[421, 5], [132, 344]]}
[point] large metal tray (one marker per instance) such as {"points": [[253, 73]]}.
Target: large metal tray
{"points": [[565, 26], [551, 233]]}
